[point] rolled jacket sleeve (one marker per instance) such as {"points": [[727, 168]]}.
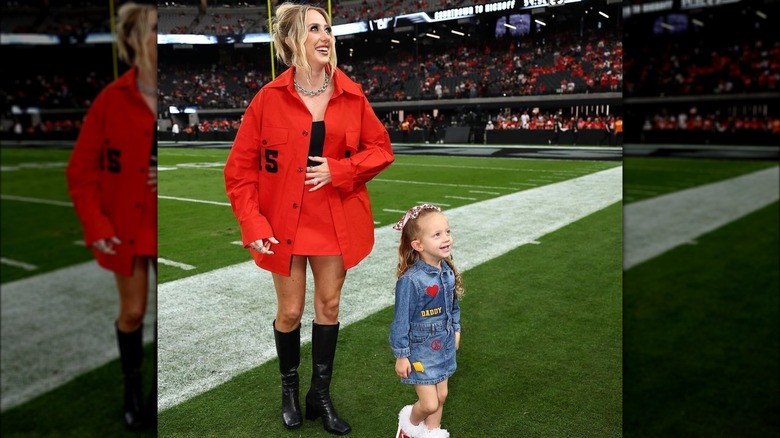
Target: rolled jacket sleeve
{"points": [[374, 153], [241, 176], [83, 176], [455, 312], [401, 326]]}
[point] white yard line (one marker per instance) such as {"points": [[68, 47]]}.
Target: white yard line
{"points": [[199, 201], [18, 264], [216, 325], [167, 262], [654, 226], [422, 183], [57, 326], [36, 200]]}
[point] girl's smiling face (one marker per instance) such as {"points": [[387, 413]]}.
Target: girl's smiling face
{"points": [[434, 242]]}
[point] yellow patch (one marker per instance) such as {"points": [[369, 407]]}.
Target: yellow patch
{"points": [[418, 366], [430, 312]]}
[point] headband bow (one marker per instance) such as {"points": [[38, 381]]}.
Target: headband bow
{"points": [[412, 214]]}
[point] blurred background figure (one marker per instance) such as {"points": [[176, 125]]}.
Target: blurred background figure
{"points": [[83, 107], [112, 179]]}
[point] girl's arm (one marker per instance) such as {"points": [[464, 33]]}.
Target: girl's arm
{"points": [[399, 329], [456, 313]]}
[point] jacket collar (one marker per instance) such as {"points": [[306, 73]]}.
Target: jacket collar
{"points": [[422, 265], [341, 82], [128, 79]]}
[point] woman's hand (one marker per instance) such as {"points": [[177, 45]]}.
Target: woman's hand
{"points": [[263, 246], [320, 175], [106, 246], [403, 367]]}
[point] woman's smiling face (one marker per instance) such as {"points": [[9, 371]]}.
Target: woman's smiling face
{"points": [[319, 39]]}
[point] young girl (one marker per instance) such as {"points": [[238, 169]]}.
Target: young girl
{"points": [[426, 327]]}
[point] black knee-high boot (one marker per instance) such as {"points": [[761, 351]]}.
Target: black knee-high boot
{"points": [[288, 348], [318, 403], [131, 354]]}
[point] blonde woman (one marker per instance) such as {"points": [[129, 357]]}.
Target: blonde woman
{"points": [[296, 178], [112, 179]]}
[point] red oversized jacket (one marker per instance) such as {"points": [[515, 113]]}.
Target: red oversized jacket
{"points": [[266, 168], [108, 170]]}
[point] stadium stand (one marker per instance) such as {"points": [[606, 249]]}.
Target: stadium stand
{"points": [[572, 67], [459, 81], [703, 76]]}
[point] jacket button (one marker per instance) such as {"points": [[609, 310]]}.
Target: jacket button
{"points": [[295, 205], [300, 169], [289, 241], [132, 242], [265, 141], [137, 205], [305, 133]]}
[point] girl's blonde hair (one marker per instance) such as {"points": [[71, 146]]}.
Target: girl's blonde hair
{"points": [[132, 31], [407, 256], [290, 21]]}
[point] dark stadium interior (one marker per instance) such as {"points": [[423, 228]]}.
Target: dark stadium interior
{"points": [[699, 75]]}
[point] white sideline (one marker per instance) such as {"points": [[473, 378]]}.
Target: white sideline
{"points": [[56, 326], [216, 325], [656, 225]]}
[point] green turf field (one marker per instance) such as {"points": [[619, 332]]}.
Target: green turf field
{"points": [[545, 344], [543, 356], [701, 321], [689, 349], [39, 227], [190, 232]]}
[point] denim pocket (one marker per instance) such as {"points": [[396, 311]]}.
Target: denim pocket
{"points": [[418, 337]]}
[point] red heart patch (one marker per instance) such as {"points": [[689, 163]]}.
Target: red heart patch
{"points": [[432, 290]]}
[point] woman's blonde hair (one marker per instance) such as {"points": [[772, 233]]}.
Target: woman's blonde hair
{"points": [[407, 256], [132, 31], [290, 21]]}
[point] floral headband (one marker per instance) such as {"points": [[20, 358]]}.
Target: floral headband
{"points": [[412, 214]]}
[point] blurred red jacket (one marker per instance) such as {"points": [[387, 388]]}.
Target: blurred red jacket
{"points": [[108, 170], [266, 168]]}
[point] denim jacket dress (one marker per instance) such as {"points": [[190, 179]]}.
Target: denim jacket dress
{"points": [[427, 315]]}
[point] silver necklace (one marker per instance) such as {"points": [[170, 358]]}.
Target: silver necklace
{"points": [[316, 92]]}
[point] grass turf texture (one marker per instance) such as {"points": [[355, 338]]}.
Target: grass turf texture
{"points": [[649, 177], [39, 234], [200, 234], [88, 406], [701, 321], [540, 354]]}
